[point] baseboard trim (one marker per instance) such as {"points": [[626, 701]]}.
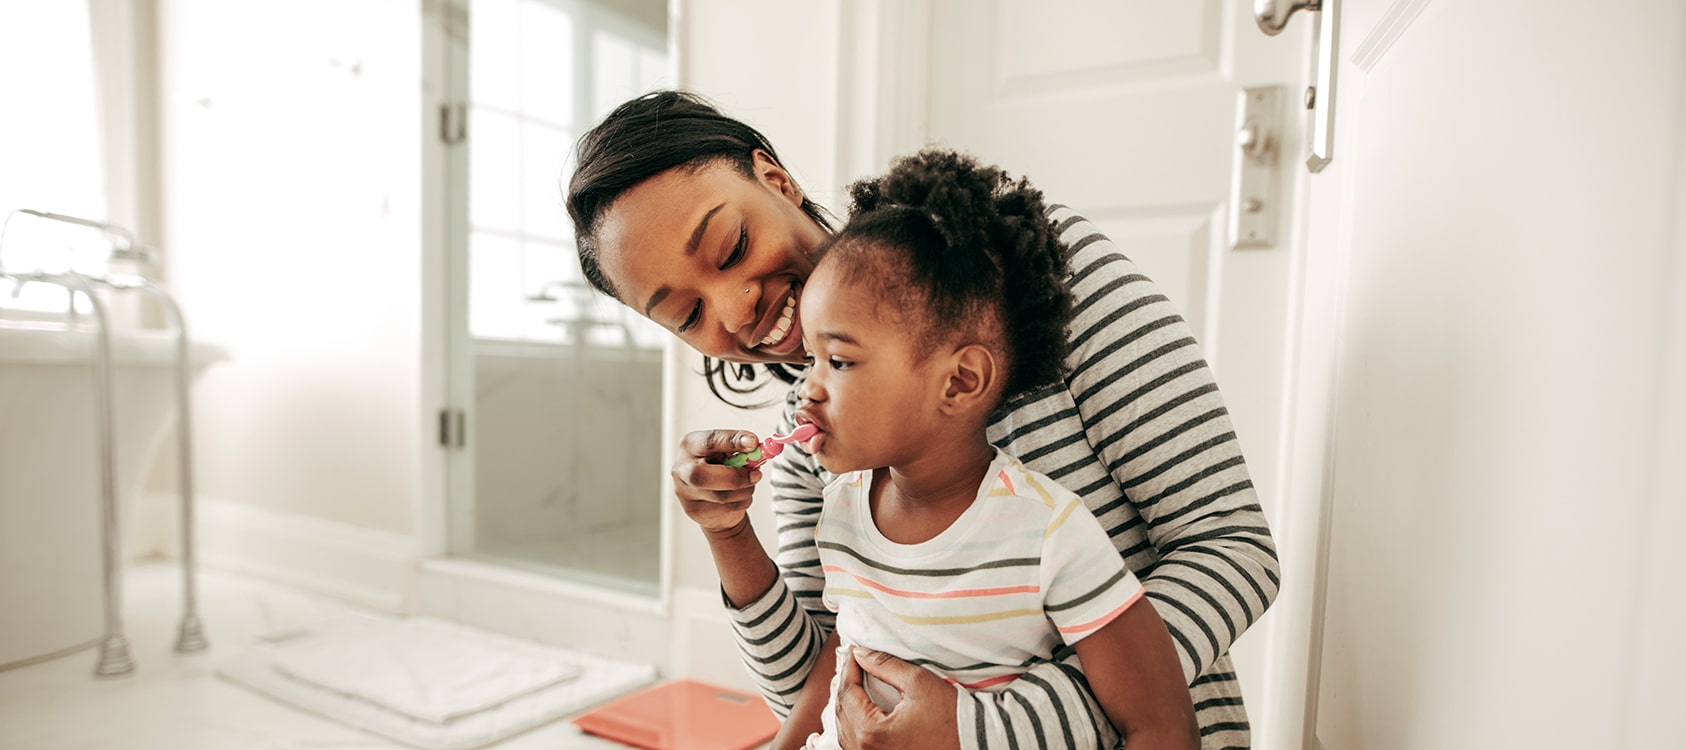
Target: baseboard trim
{"points": [[545, 610], [363, 566]]}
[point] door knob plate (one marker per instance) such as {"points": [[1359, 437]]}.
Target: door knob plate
{"points": [[1253, 205]]}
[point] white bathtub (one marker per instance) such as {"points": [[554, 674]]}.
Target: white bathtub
{"points": [[51, 586]]}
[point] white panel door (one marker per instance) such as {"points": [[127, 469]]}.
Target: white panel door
{"points": [[1126, 111], [1495, 255]]}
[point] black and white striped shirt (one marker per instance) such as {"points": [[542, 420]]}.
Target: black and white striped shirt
{"points": [[1140, 432]]}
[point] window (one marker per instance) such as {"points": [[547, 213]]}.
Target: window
{"points": [[541, 72], [50, 146]]}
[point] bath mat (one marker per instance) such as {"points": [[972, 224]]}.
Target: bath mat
{"points": [[429, 669], [429, 683]]}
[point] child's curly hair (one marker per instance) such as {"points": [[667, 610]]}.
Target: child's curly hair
{"points": [[963, 250]]}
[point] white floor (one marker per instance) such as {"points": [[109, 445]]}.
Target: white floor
{"points": [[175, 702]]}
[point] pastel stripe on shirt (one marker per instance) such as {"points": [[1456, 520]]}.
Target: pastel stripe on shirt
{"points": [[1022, 572]]}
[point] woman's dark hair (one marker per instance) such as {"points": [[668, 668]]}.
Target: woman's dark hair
{"points": [[645, 137], [972, 251]]}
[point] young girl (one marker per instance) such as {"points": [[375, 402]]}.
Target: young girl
{"points": [[943, 297]]}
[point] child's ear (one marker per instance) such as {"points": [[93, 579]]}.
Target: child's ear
{"points": [[970, 379]]}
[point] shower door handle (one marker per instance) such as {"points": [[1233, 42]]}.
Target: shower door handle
{"points": [[453, 124], [453, 428]]}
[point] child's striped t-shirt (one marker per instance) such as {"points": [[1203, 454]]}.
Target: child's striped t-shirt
{"points": [[1023, 571]]}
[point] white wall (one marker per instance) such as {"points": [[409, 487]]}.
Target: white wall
{"points": [[291, 213]]}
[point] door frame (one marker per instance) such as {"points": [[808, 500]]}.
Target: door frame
{"points": [[1321, 250]]}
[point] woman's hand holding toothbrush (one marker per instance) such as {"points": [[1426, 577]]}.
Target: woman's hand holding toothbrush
{"points": [[714, 495], [717, 498], [716, 474]]}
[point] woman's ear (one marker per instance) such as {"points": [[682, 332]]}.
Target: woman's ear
{"points": [[769, 173], [971, 379]]}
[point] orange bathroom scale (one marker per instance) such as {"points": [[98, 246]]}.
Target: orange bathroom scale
{"points": [[683, 715]]}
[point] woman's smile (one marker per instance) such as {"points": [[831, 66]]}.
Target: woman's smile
{"points": [[720, 259], [781, 334]]}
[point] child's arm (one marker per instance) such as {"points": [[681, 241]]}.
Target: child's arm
{"points": [[804, 716], [1134, 672]]}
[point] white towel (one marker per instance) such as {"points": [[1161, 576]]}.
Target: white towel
{"points": [[428, 669], [364, 699]]}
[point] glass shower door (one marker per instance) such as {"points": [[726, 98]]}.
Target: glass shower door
{"points": [[559, 388]]}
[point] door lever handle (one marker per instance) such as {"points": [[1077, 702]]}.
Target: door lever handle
{"points": [[1273, 15]]}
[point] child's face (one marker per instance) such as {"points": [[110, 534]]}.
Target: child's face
{"points": [[868, 390]]}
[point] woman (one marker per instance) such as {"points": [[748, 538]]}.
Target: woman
{"points": [[687, 216]]}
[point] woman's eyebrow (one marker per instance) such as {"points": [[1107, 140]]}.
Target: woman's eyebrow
{"points": [[690, 250], [702, 226]]}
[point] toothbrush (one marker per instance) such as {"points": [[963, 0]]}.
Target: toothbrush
{"points": [[770, 446]]}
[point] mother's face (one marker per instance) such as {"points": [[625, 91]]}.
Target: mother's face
{"points": [[715, 257]]}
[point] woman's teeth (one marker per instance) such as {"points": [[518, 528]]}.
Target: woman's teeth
{"points": [[783, 327]]}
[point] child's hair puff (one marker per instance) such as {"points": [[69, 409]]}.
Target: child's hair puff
{"points": [[963, 249]]}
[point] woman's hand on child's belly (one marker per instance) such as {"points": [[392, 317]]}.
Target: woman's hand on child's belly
{"points": [[922, 717]]}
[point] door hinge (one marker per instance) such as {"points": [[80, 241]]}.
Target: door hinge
{"points": [[453, 124], [453, 428]]}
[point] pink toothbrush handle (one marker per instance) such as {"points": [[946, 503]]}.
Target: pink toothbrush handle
{"points": [[773, 445]]}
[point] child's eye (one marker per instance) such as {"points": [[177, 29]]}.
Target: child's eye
{"points": [[838, 364], [738, 249]]}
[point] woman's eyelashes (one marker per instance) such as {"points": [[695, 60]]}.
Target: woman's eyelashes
{"points": [[691, 320], [732, 259], [738, 249]]}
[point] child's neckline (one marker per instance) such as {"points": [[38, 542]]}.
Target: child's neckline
{"points": [[956, 530]]}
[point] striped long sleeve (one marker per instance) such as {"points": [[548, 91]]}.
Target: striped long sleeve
{"points": [[1140, 432]]}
